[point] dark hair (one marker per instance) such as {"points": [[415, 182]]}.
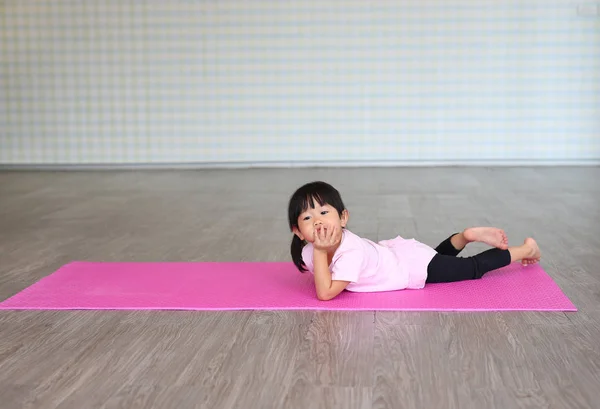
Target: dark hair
{"points": [[320, 192]]}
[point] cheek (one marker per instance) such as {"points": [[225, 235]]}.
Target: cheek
{"points": [[305, 229], [335, 219]]}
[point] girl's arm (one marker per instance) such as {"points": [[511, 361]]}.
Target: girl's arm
{"points": [[325, 286]]}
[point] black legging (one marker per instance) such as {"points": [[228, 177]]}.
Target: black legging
{"points": [[445, 267]]}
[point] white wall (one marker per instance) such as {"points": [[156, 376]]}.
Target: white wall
{"points": [[132, 81]]}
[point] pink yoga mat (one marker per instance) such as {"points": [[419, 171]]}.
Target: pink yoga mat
{"points": [[271, 286]]}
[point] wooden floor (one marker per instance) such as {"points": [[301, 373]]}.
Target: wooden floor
{"points": [[119, 359]]}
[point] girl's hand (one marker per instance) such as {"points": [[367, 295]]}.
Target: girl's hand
{"points": [[326, 237]]}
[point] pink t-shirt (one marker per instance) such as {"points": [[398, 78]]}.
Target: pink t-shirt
{"points": [[388, 265]]}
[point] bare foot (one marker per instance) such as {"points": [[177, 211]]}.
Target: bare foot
{"points": [[489, 235], [534, 252]]}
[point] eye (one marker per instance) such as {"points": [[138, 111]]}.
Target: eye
{"points": [[306, 217], [325, 212]]}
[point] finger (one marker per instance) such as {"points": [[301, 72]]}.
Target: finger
{"points": [[328, 233], [332, 236]]}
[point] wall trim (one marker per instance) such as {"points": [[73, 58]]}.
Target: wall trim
{"points": [[295, 164]]}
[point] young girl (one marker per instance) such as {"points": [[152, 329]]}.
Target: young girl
{"points": [[340, 260]]}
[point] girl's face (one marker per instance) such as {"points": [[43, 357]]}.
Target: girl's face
{"points": [[311, 220]]}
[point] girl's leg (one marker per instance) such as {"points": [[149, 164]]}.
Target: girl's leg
{"points": [[492, 236], [448, 248], [446, 268]]}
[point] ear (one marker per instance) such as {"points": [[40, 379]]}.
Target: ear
{"points": [[344, 217], [297, 233]]}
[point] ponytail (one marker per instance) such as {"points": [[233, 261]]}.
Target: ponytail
{"points": [[296, 249]]}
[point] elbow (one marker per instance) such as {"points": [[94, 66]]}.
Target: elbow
{"points": [[325, 296]]}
